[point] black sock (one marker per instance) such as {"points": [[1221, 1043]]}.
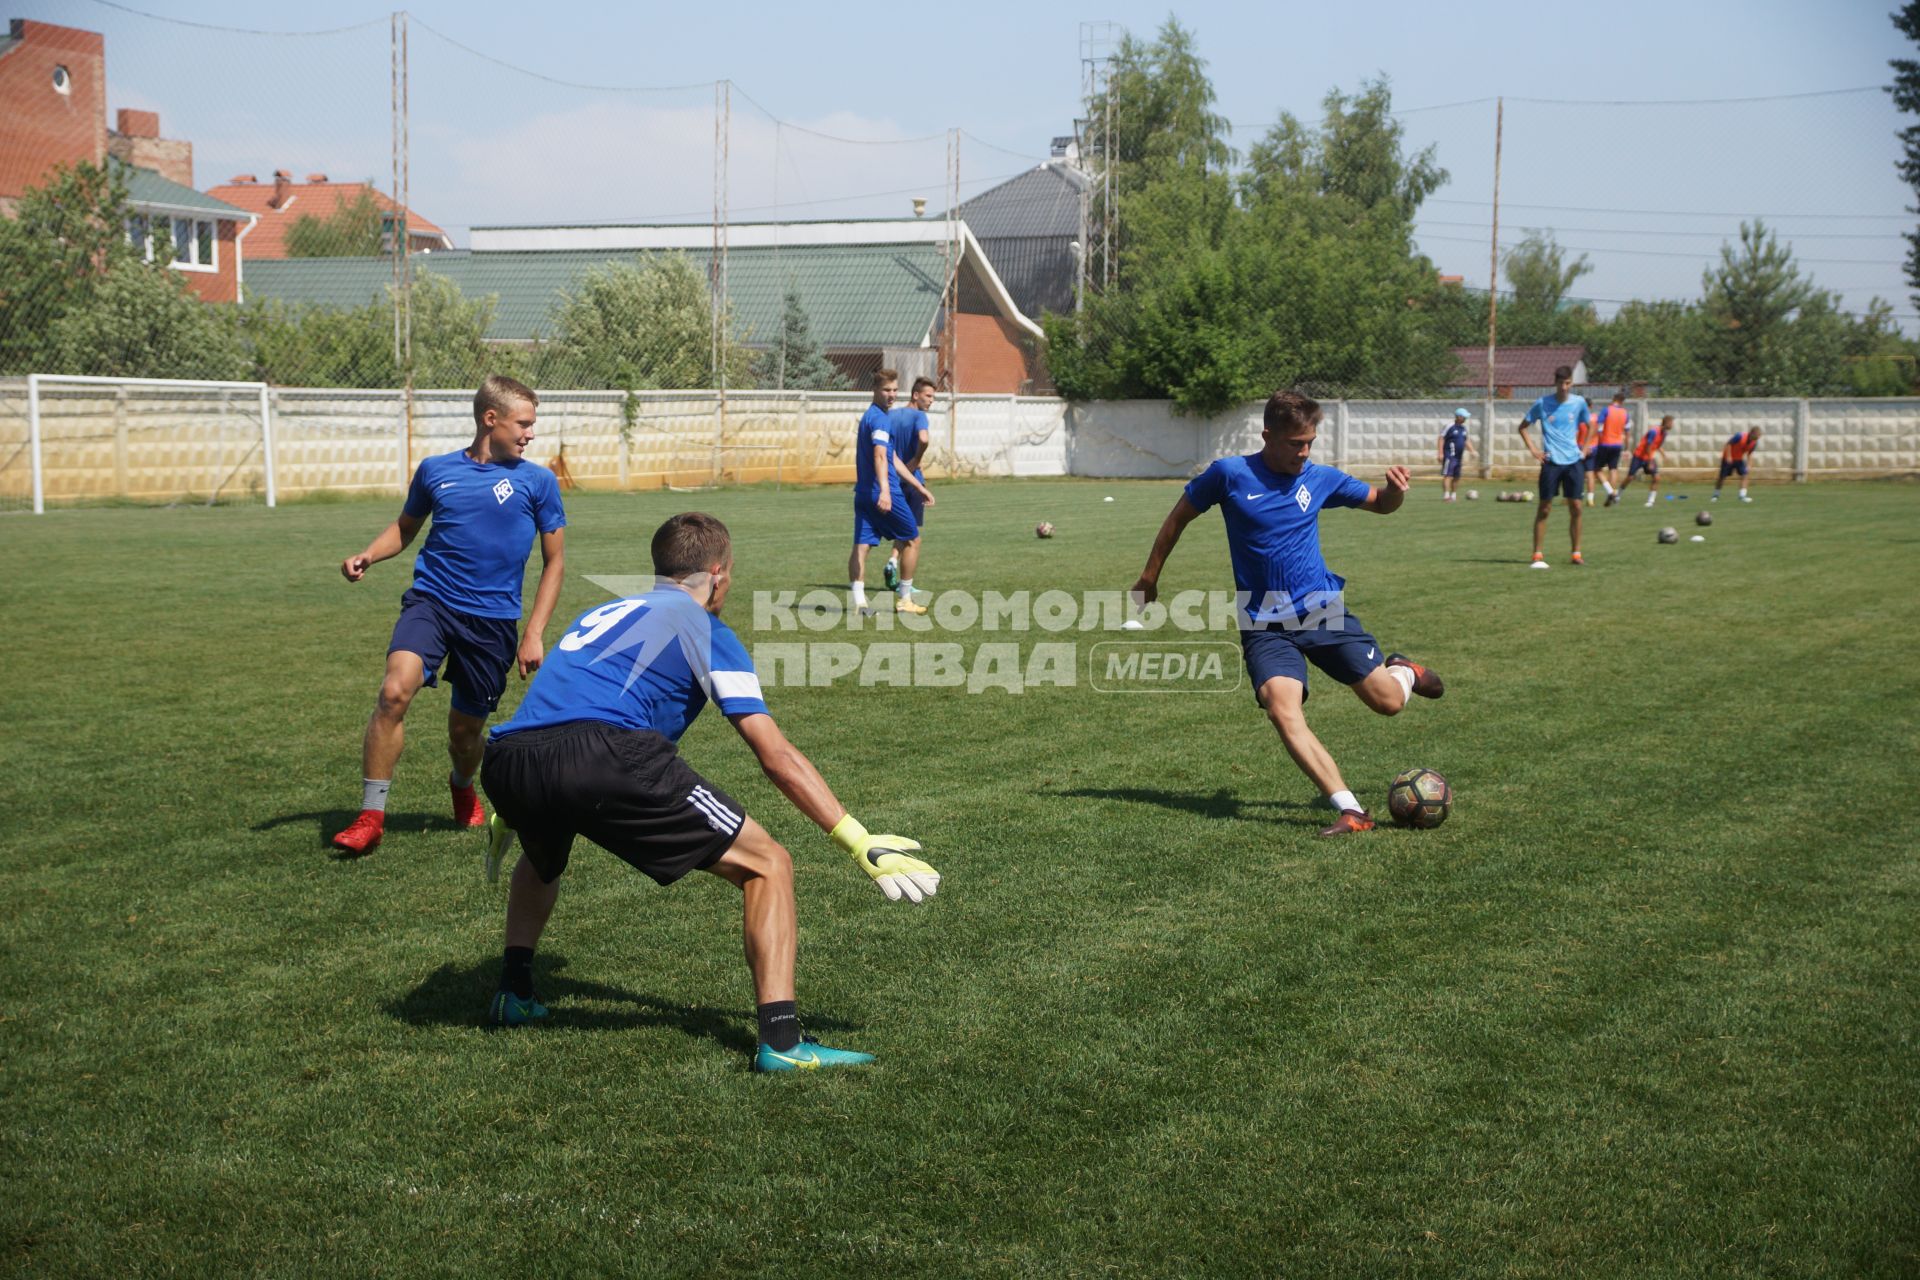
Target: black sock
{"points": [[516, 972], [779, 1025]]}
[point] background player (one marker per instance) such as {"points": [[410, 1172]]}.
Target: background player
{"points": [[1294, 611], [1560, 416], [879, 499], [1646, 457], [591, 751], [1603, 464], [485, 504], [1453, 449], [1733, 457], [911, 438]]}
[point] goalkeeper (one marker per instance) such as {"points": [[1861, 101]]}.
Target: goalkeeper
{"points": [[591, 752]]}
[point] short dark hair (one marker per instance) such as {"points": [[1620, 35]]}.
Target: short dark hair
{"points": [[689, 543], [1621, 394], [882, 377], [500, 393], [1564, 371], [1289, 411], [922, 382]]}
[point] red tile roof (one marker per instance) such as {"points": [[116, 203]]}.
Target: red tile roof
{"points": [[1514, 366], [318, 199]]}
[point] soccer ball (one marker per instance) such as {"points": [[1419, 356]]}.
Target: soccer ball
{"points": [[1473, 495], [1703, 517], [1043, 530], [1419, 798], [1526, 495], [1669, 534]]}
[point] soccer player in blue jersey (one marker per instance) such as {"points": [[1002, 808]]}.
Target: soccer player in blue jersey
{"points": [[1560, 415], [1292, 608], [911, 437], [879, 497], [486, 503], [1453, 450], [591, 751]]}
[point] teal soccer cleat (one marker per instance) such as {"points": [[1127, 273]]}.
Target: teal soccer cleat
{"points": [[808, 1055], [509, 1010], [499, 841]]}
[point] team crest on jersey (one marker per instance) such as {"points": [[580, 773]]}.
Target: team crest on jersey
{"points": [[503, 490], [1302, 497]]}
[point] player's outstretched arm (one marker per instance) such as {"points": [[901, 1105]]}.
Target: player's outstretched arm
{"points": [[553, 571], [886, 859], [1147, 587], [1386, 501], [392, 541]]}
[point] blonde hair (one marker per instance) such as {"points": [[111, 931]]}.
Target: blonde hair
{"points": [[500, 393]]}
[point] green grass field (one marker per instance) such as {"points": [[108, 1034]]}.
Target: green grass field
{"points": [[1646, 1005]]}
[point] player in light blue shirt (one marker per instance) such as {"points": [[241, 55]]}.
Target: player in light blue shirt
{"points": [[1560, 416], [880, 509], [911, 438], [483, 507], [592, 752], [1292, 606]]}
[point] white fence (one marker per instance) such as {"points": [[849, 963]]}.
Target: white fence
{"points": [[102, 440]]}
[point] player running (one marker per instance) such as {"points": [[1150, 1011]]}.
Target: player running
{"points": [[1560, 416], [591, 751], [911, 436], [1292, 609], [1733, 457], [1603, 464], [879, 498], [1453, 448], [485, 503], [1646, 457]]}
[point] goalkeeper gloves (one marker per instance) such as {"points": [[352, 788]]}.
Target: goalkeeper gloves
{"points": [[885, 858]]}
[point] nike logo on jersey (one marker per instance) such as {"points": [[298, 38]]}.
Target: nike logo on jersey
{"points": [[1369, 655], [1252, 496], [445, 483]]}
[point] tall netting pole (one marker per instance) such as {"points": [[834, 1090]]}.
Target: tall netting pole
{"points": [[402, 264], [1493, 264]]}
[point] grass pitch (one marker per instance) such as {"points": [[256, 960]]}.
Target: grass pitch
{"points": [[1645, 1005]]}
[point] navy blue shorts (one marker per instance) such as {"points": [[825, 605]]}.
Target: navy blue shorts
{"points": [[478, 651], [1562, 478], [1647, 465], [1346, 652], [1451, 467], [1605, 457], [872, 526], [1729, 468], [917, 505]]}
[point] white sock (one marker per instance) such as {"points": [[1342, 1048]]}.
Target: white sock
{"points": [[859, 590], [1743, 492], [1609, 486], [1343, 800], [1405, 676], [1649, 499], [906, 588], [454, 778], [373, 793]]}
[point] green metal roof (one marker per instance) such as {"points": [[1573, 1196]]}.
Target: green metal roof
{"points": [[147, 189], [856, 296]]}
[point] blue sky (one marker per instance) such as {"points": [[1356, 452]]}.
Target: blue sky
{"points": [[1647, 191]]}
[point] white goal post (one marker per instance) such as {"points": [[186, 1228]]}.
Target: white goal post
{"points": [[256, 393]]}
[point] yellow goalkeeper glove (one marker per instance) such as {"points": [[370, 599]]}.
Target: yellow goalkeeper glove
{"points": [[886, 860]]}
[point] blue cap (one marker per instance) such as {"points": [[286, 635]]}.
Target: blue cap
{"points": [[1462, 413]]}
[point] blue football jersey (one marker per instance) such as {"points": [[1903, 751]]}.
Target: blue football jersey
{"points": [[1560, 426], [1273, 532], [481, 520], [876, 428], [1455, 442], [649, 661], [907, 424]]}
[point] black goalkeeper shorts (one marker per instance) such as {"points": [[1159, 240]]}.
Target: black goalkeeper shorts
{"points": [[627, 790]]}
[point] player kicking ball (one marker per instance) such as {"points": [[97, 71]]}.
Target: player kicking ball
{"points": [[591, 751], [485, 504], [1292, 611]]}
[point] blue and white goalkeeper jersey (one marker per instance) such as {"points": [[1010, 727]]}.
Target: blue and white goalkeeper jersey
{"points": [[650, 661]]}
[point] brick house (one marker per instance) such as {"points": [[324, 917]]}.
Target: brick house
{"points": [[281, 203]]}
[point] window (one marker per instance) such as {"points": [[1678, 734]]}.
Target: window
{"points": [[62, 80], [190, 244]]}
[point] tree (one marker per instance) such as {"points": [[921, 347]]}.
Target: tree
{"points": [[795, 361], [315, 346], [353, 230], [141, 321], [1539, 273], [641, 326], [1753, 303], [1353, 160], [1906, 96], [64, 238]]}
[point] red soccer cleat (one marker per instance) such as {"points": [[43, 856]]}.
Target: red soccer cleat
{"points": [[467, 809], [1349, 822], [1427, 683], [363, 833]]}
